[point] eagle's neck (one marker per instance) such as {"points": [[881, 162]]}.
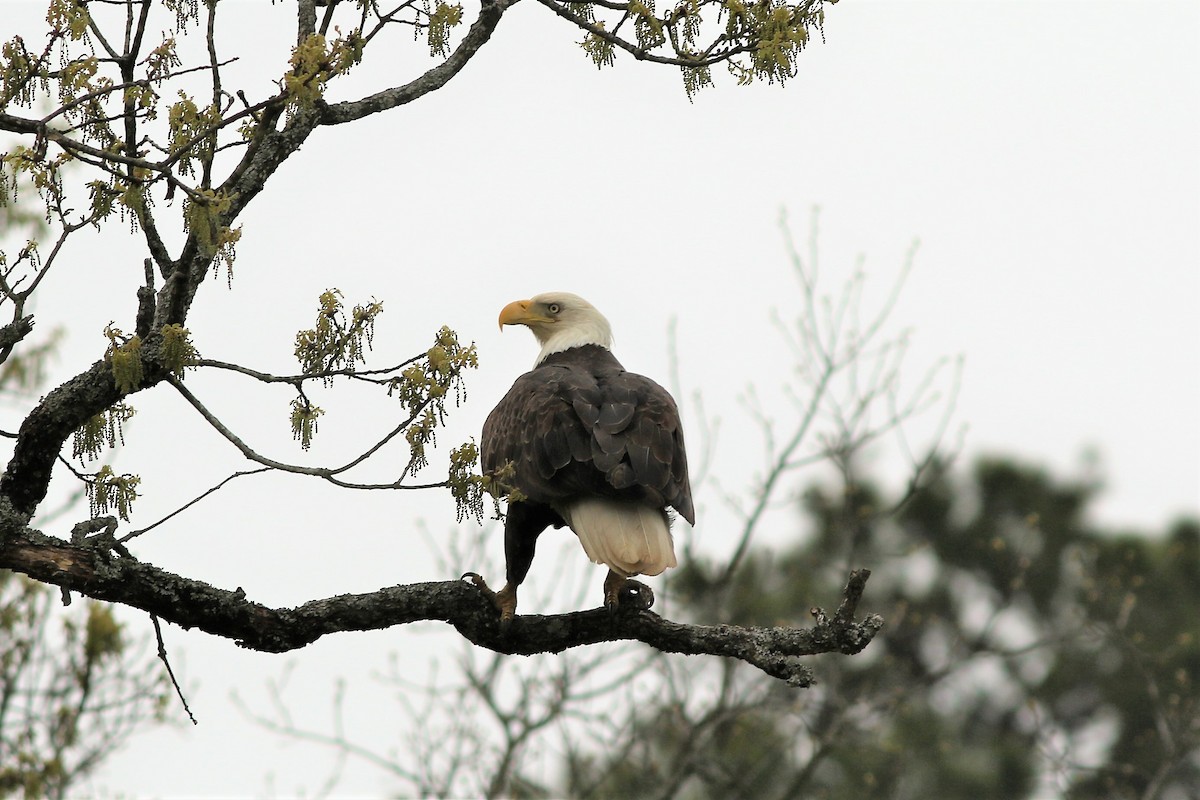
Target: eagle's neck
{"points": [[591, 357], [591, 331]]}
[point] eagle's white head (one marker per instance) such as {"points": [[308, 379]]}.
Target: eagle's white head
{"points": [[560, 321]]}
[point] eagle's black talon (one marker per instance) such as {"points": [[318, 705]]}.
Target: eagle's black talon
{"points": [[480, 584], [505, 600], [636, 596]]}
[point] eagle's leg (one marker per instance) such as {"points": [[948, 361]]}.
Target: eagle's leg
{"points": [[612, 590], [506, 602]]}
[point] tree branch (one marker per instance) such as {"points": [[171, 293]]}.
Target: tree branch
{"points": [[12, 333], [97, 573], [325, 473], [478, 35], [27, 476], [706, 59]]}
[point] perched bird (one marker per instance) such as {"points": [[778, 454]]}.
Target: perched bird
{"points": [[578, 441]]}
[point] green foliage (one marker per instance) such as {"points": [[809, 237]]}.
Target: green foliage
{"points": [[1014, 628], [756, 40], [186, 11], [177, 351], [7, 189], [124, 355], [102, 634], [582, 11], [133, 198], [19, 78], [159, 63], [442, 19], [601, 51], [43, 174], [192, 132], [732, 754], [695, 79], [421, 433], [106, 428], [648, 27], [467, 487], [313, 65], [205, 216], [780, 39], [304, 421], [499, 484], [103, 200], [336, 343], [69, 17], [425, 386], [99, 113], [76, 78], [108, 491]]}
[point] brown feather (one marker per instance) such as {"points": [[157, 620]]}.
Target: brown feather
{"points": [[580, 425]]}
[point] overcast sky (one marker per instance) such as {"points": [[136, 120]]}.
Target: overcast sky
{"points": [[1043, 153]]}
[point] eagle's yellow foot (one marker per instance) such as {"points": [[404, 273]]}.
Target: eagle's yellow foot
{"points": [[612, 591], [504, 600]]}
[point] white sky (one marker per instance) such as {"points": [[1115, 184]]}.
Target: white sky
{"points": [[1045, 154]]}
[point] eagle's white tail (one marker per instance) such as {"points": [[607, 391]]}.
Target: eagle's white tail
{"points": [[630, 538]]}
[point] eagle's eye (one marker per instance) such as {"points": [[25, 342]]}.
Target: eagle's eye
{"points": [[554, 308]]}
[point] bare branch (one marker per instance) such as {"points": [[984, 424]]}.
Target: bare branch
{"points": [[12, 333], [265, 377], [189, 504]]}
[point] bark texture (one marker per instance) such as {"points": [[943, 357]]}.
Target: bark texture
{"points": [[93, 569]]}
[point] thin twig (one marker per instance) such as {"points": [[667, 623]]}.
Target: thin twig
{"points": [[191, 503], [162, 655]]}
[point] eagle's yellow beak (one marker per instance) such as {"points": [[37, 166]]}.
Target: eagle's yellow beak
{"points": [[518, 313]]}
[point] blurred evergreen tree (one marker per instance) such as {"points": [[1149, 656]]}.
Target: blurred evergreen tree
{"points": [[1027, 654]]}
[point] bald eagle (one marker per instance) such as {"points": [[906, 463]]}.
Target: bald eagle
{"points": [[587, 445]]}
